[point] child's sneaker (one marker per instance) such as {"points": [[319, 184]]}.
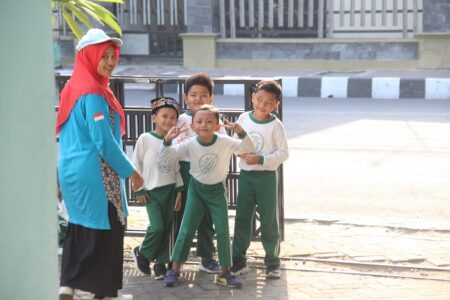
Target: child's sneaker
{"points": [[171, 278], [142, 263], [226, 279], [273, 272], [66, 293], [160, 270], [209, 265], [239, 267]]}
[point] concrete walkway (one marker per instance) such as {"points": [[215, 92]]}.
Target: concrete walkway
{"points": [[320, 260]]}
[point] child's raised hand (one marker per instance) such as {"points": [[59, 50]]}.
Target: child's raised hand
{"points": [[174, 132], [235, 127]]}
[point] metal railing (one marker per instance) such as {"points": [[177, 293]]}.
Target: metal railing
{"points": [[320, 18], [270, 18], [381, 18], [138, 121]]}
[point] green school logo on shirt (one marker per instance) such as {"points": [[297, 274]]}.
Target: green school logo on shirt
{"points": [[258, 140], [164, 164], [208, 162]]}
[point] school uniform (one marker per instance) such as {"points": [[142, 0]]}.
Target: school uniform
{"points": [[206, 193], [205, 232], [162, 180], [258, 188]]}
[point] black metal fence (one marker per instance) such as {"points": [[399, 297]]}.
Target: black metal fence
{"points": [[138, 121]]}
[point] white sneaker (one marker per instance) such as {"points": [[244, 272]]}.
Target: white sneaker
{"points": [[273, 272], [66, 293]]}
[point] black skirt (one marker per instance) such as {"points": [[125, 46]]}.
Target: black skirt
{"points": [[92, 259]]}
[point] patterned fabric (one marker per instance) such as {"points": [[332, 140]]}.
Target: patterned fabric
{"points": [[159, 102], [111, 181]]}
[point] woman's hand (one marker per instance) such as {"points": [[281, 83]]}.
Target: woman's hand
{"points": [[136, 181], [178, 201]]}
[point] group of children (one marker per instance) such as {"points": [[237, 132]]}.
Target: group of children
{"points": [[184, 162]]}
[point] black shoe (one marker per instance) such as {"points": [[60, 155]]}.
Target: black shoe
{"points": [[142, 263], [239, 267], [160, 270]]}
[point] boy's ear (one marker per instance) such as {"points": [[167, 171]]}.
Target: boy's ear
{"points": [[211, 99], [277, 104], [184, 98], [218, 127], [192, 126]]}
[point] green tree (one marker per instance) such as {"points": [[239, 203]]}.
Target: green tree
{"points": [[77, 12]]}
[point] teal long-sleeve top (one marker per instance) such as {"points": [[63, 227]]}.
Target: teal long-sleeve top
{"points": [[86, 136]]}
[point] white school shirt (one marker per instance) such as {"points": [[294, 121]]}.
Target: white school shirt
{"points": [[186, 118], [209, 163], [270, 141], [159, 167]]}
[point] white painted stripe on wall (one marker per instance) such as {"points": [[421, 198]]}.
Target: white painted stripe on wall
{"points": [[290, 86], [233, 89], [386, 88], [335, 87], [437, 88]]}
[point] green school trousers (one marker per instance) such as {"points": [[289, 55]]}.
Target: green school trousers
{"points": [[205, 231], [257, 191], [155, 245], [203, 198]]}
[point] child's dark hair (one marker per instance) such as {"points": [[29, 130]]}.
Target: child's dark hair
{"points": [[199, 79], [210, 108], [270, 86]]}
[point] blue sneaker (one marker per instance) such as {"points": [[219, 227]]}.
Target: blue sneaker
{"points": [[209, 265], [226, 279], [171, 278]]}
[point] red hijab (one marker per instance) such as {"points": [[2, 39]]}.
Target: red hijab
{"points": [[85, 80]]}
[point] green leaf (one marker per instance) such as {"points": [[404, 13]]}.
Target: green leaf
{"points": [[80, 15], [106, 17], [73, 25], [111, 1], [91, 11], [74, 10]]}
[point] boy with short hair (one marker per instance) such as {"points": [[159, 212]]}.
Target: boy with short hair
{"points": [[209, 154], [258, 179], [198, 90], [162, 188]]}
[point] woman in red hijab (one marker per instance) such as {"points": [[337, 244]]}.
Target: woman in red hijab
{"points": [[91, 170]]}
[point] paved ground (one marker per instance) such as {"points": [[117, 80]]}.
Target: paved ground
{"points": [[327, 260], [320, 259]]}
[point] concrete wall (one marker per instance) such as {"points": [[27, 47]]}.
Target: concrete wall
{"points": [[436, 16], [202, 16], [28, 248], [314, 49]]}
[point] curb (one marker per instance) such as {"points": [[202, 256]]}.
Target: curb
{"points": [[348, 87]]}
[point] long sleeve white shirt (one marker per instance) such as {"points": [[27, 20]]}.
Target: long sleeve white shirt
{"points": [[158, 166], [270, 141], [186, 119], [209, 163]]}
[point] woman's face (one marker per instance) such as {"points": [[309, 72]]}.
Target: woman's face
{"points": [[107, 63]]}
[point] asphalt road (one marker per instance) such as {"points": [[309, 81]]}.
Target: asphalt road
{"points": [[363, 160]]}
